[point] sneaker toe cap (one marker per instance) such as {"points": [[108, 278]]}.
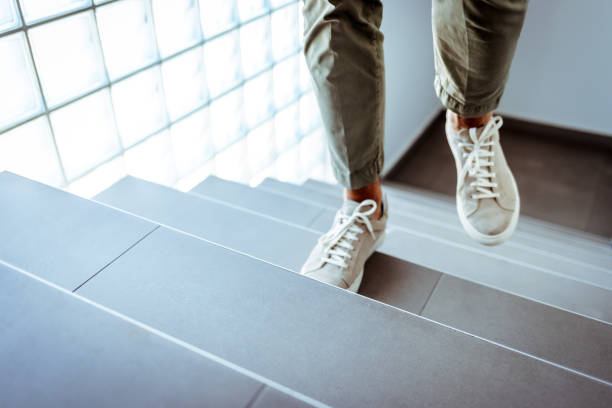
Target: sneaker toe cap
{"points": [[491, 221], [329, 275]]}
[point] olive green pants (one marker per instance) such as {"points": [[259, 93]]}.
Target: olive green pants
{"points": [[474, 42]]}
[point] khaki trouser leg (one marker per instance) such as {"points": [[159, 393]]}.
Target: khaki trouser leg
{"points": [[344, 52], [474, 42]]}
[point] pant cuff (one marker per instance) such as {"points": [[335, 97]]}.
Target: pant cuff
{"points": [[359, 178], [461, 108]]}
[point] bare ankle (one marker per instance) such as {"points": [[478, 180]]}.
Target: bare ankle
{"points": [[459, 122], [370, 192]]}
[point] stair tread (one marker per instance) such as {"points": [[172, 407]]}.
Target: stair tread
{"points": [[57, 350], [261, 317], [71, 238], [393, 277]]}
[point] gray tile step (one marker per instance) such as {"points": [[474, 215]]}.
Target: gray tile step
{"points": [[230, 227], [561, 244], [425, 200], [388, 279], [337, 347], [288, 209], [58, 236], [58, 350]]}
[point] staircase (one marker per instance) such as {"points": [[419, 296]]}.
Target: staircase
{"points": [[146, 296]]}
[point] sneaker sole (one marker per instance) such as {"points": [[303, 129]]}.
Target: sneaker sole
{"points": [[357, 282]]}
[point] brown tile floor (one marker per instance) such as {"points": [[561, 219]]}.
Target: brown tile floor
{"points": [[560, 180]]}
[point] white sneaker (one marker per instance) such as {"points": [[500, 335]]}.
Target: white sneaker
{"points": [[488, 201], [339, 256]]}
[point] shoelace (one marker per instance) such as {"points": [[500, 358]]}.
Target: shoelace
{"points": [[338, 241], [477, 155]]}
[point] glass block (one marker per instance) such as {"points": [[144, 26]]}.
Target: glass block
{"points": [[255, 49], [300, 25], [312, 150], [288, 166], [185, 83], [258, 99], [127, 35], [35, 10], [222, 56], [284, 23], [261, 146], [286, 87], [278, 3], [177, 23], [19, 96], [99, 179], [152, 160], [323, 172], [217, 16], [68, 57], [249, 9], [85, 133], [194, 178], [305, 77], [231, 164], [268, 172], [286, 127], [226, 117], [9, 18], [139, 106], [101, 1], [192, 142], [310, 117], [28, 150]]}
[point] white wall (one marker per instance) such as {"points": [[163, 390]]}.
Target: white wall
{"points": [[411, 100], [562, 71]]}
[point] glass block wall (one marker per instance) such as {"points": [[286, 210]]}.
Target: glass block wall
{"points": [[166, 90]]}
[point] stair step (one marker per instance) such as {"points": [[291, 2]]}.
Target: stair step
{"points": [[513, 251], [283, 326], [320, 340], [57, 350], [218, 223], [562, 244], [408, 286], [60, 237], [476, 264]]}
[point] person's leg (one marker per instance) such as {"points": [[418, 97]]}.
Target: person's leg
{"points": [[343, 50], [474, 43], [343, 47]]}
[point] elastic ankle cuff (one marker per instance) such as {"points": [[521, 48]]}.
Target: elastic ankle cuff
{"points": [[462, 108]]}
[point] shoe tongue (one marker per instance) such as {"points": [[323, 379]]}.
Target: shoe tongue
{"points": [[465, 133], [349, 206]]}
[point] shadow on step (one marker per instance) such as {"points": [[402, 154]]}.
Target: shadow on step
{"points": [[398, 283]]}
